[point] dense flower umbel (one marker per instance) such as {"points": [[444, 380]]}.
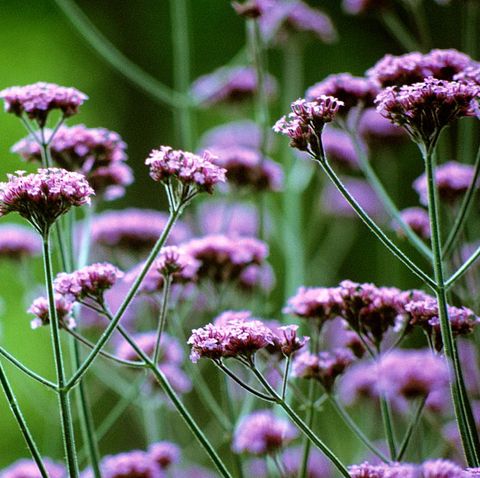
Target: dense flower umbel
{"points": [[243, 133], [288, 342], [188, 169], [18, 242], [40, 309], [469, 75], [377, 131], [417, 219], [262, 433], [44, 196], [366, 470], [230, 85], [132, 464], [37, 100], [28, 469], [350, 90], [165, 454], [305, 123], [88, 282], [173, 260], [425, 108], [442, 469], [452, 179]]}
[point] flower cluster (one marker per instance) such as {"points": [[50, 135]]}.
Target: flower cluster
{"points": [[377, 131], [28, 469], [44, 196], [41, 310], [18, 242], [37, 100], [361, 7], [417, 219], [339, 149]]}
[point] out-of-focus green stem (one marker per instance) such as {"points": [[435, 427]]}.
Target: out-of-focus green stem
{"points": [[398, 30], [167, 282], [411, 429], [388, 425]]}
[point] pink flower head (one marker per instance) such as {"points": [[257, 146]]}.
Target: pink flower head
{"points": [[261, 433], [40, 309], [366, 470], [208, 342], [243, 133], [378, 131], [452, 179], [88, 282], [165, 454], [110, 181], [18, 242], [425, 108], [288, 340], [187, 169], [43, 197], [446, 64], [25, 468], [173, 260], [132, 464], [37, 100], [417, 219], [470, 74], [339, 149], [361, 7], [442, 469], [304, 125]]}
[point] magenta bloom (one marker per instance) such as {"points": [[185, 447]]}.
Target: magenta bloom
{"points": [[18, 242], [165, 454], [339, 149], [470, 74], [452, 179], [37, 100], [89, 282], [25, 468], [261, 433], [366, 470], [173, 260], [43, 197], [243, 133], [187, 169], [360, 7], [230, 85], [442, 469], [425, 108], [132, 464], [40, 309], [378, 131], [418, 220]]}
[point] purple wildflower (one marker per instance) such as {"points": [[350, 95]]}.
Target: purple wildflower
{"points": [[288, 340], [446, 64], [471, 74], [207, 342], [425, 108], [173, 260], [38, 99], [165, 454], [44, 196], [262, 433], [339, 149], [25, 468], [257, 277], [360, 7], [230, 85], [188, 169], [18, 242], [452, 179], [417, 219], [360, 381], [442, 469], [304, 125], [350, 90], [317, 466], [249, 8], [242, 133], [132, 464], [40, 309], [110, 181], [378, 131], [366, 470]]}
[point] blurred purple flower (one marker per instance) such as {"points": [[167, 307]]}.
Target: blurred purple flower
{"points": [[339, 149], [18, 242], [378, 131], [417, 219], [26, 468]]}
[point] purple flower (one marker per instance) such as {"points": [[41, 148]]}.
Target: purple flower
{"points": [[351, 90], [442, 469], [339, 149], [401, 470], [262, 433], [417, 219], [378, 131], [243, 133], [25, 468], [18, 242], [366, 470], [452, 180], [165, 454], [110, 181], [256, 277], [304, 125], [39, 99], [288, 340], [360, 381], [134, 229], [188, 169], [360, 7], [40, 309], [425, 108], [446, 64], [317, 466], [230, 85], [44, 196], [471, 74], [132, 464], [208, 342], [175, 261], [89, 282]]}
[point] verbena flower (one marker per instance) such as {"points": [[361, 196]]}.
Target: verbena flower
{"points": [[89, 282], [417, 219], [288, 341], [425, 108], [230, 85], [18, 242], [257, 277], [470, 74], [366, 470], [43, 197], [41, 310], [194, 173], [339, 149], [361, 7], [132, 464], [39, 99], [26, 468], [242, 133], [304, 125], [262, 433], [452, 180], [378, 131], [442, 469], [164, 454]]}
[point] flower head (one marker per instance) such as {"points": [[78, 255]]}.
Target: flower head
{"points": [[165, 454], [378, 131], [417, 219], [43, 197], [361, 7], [261, 433], [366, 470], [243, 133], [41, 310], [38, 99], [132, 464], [288, 340], [28, 469], [17, 242], [339, 149], [442, 469]]}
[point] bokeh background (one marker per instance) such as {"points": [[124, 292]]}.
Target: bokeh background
{"points": [[37, 42]]}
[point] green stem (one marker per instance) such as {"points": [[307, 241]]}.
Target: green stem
{"points": [[472, 11], [411, 429], [167, 282], [285, 376], [398, 30], [64, 399], [345, 416], [463, 269], [22, 424], [461, 402], [388, 426]]}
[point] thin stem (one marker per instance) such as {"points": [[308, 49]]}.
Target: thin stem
{"points": [[345, 416], [64, 400], [285, 376], [463, 411], [167, 282], [388, 425], [464, 211], [463, 269], [373, 226], [411, 429], [398, 30], [472, 11]]}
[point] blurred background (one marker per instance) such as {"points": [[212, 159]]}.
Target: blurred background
{"points": [[38, 43]]}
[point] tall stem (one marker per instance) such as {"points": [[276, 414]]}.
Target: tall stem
{"points": [[388, 425], [463, 411], [22, 424], [63, 397], [167, 282]]}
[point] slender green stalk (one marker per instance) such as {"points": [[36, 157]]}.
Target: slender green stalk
{"points": [[463, 269], [464, 210], [344, 415], [286, 374], [116, 59], [167, 282], [22, 424], [398, 31], [411, 429], [388, 426], [470, 29], [418, 15], [64, 399], [463, 411]]}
